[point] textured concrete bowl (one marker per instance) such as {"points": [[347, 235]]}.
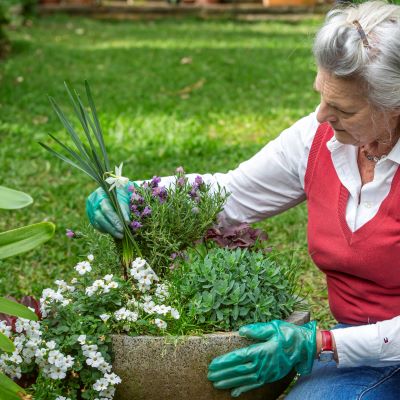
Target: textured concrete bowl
{"points": [[155, 368]]}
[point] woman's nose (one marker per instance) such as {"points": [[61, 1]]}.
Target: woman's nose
{"points": [[325, 113]]}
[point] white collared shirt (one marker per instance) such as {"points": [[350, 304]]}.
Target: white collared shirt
{"points": [[273, 181]]}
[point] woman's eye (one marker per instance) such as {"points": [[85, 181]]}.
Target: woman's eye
{"points": [[346, 113]]}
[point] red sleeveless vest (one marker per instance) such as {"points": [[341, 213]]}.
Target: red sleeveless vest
{"points": [[363, 267]]}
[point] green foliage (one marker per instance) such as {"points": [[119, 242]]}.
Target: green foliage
{"points": [[176, 217], [227, 289]]}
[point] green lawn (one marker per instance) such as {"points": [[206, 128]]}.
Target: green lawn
{"points": [[246, 82]]}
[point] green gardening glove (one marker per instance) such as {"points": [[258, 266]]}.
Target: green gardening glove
{"points": [[281, 347], [101, 212]]}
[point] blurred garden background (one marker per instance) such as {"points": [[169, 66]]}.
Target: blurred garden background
{"points": [[202, 93]]}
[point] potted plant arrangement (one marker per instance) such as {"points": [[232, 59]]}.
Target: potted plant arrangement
{"points": [[159, 303]]}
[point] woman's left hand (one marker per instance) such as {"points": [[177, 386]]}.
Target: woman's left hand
{"points": [[281, 347]]}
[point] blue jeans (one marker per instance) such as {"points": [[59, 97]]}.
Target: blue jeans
{"points": [[327, 382]]}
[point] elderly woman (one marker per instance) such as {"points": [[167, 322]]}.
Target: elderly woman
{"points": [[344, 160]]}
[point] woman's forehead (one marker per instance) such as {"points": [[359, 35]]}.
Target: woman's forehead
{"points": [[339, 91]]}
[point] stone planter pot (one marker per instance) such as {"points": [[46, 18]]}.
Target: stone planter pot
{"points": [[155, 368]]}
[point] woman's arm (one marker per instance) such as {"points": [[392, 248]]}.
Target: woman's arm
{"points": [[377, 345], [271, 181]]}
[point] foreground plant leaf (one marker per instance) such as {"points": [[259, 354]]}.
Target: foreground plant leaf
{"points": [[6, 344], [11, 199], [9, 390], [17, 310], [23, 239]]}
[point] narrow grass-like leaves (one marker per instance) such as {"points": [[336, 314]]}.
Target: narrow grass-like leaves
{"points": [[98, 130], [91, 157]]}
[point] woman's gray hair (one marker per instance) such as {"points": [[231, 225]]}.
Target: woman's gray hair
{"points": [[340, 49]]}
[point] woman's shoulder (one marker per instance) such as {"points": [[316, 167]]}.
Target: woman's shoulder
{"points": [[300, 135]]}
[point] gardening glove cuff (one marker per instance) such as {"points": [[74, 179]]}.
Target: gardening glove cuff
{"points": [[309, 349]]}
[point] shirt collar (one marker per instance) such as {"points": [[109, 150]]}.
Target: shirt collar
{"points": [[334, 145]]}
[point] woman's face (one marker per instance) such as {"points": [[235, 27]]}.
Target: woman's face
{"points": [[344, 105]]}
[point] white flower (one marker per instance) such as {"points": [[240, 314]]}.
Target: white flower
{"points": [[108, 277], [62, 398], [112, 379], [100, 385], [57, 373], [87, 349], [138, 263], [83, 267], [94, 359], [105, 317], [161, 309], [82, 339], [116, 180], [160, 323], [51, 345], [90, 257], [175, 313], [104, 367], [124, 314], [162, 291]]}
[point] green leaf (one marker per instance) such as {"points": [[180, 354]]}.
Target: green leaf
{"points": [[23, 239], [97, 131], [6, 344], [17, 310], [9, 389], [11, 199]]}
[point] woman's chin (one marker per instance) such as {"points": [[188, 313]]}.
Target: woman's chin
{"points": [[343, 137]]}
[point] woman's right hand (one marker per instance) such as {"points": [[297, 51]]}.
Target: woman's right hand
{"points": [[101, 212]]}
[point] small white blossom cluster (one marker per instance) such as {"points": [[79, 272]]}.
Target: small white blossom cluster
{"points": [[101, 286], [143, 273], [50, 296], [126, 315], [53, 363], [84, 266], [146, 277], [105, 385], [30, 347]]}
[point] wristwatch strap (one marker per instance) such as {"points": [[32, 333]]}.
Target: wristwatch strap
{"points": [[326, 341]]}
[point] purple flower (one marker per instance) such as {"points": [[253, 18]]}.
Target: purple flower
{"points": [[69, 233], [155, 181], [135, 225], [131, 188], [181, 181], [193, 193], [180, 170], [137, 198], [198, 180], [160, 192], [146, 211], [173, 256]]}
